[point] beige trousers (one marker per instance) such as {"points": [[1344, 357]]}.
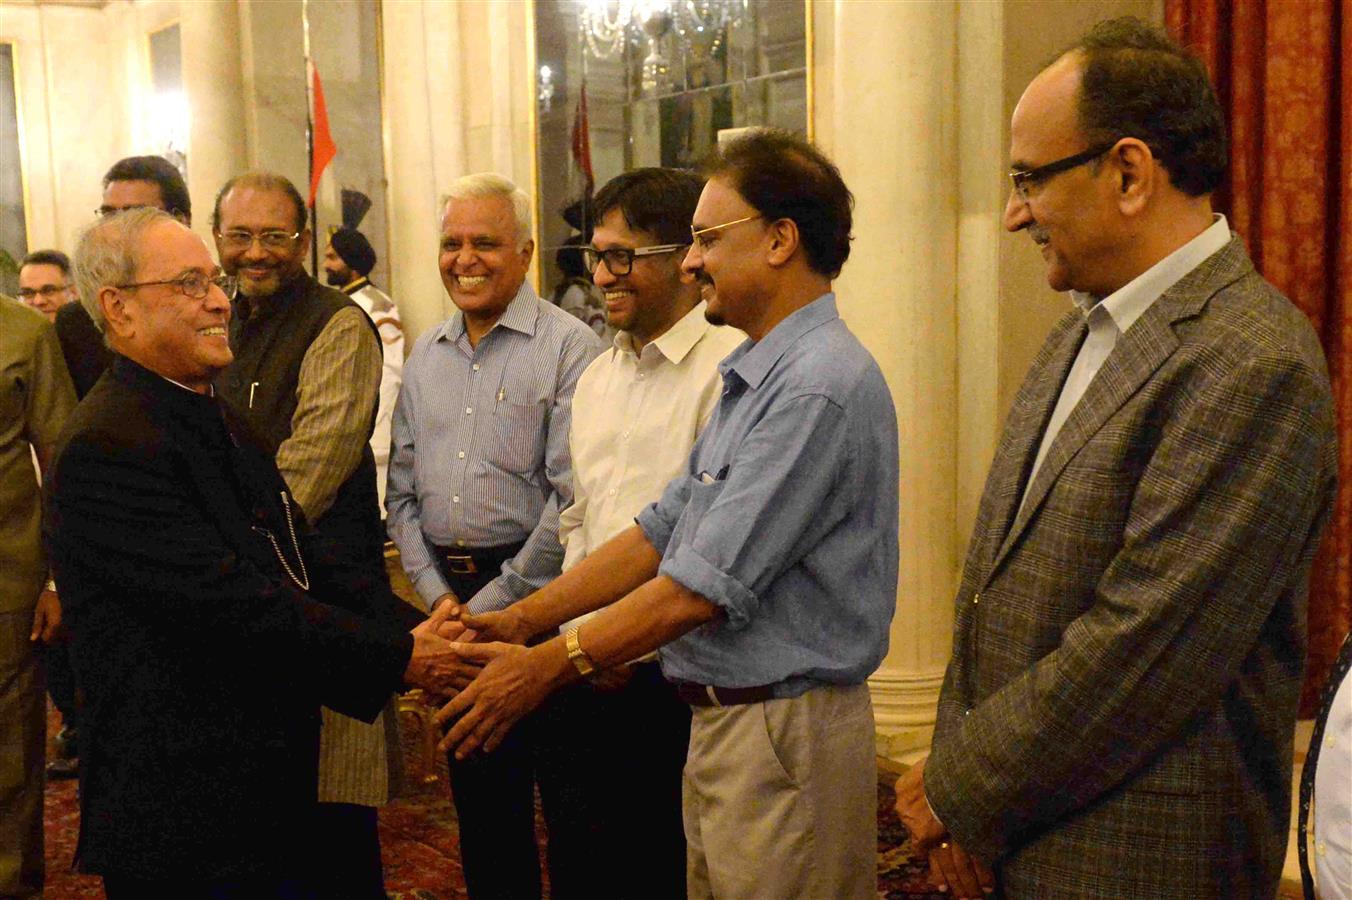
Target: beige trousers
{"points": [[780, 799]]}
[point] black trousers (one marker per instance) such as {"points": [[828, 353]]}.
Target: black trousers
{"points": [[494, 795], [345, 861], [56, 659], [609, 765]]}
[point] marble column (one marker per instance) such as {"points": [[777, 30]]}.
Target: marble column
{"points": [[213, 79], [886, 110], [457, 99]]}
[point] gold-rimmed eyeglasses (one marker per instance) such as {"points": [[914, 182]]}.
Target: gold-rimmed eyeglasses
{"points": [[697, 235], [268, 240]]}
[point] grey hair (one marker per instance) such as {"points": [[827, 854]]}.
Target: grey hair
{"points": [[491, 184], [106, 254]]}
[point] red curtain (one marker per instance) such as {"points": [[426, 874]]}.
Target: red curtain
{"points": [[1283, 70]]}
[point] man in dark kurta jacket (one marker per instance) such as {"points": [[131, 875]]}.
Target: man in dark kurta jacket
{"points": [[306, 376]]}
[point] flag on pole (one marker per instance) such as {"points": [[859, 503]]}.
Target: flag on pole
{"points": [[322, 149], [582, 141]]}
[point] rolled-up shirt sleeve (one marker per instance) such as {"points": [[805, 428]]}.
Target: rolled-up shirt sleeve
{"points": [[727, 535]]}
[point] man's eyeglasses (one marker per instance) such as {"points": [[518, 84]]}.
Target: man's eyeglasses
{"points": [[46, 291], [699, 235], [1026, 179], [114, 210], [194, 285], [620, 260], [269, 240]]}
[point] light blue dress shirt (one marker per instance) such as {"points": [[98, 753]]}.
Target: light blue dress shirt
{"points": [[479, 454], [786, 517]]}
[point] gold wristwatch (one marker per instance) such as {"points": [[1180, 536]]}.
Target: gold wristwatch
{"points": [[576, 655]]}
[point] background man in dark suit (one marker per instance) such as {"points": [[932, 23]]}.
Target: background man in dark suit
{"points": [[44, 282], [194, 589], [132, 183], [1117, 717]]}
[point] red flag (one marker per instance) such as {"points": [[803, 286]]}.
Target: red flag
{"points": [[582, 140], [322, 147]]}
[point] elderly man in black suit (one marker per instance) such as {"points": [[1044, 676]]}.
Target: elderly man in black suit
{"points": [[207, 617]]}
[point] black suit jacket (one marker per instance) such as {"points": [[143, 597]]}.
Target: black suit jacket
{"points": [[202, 663], [87, 356]]}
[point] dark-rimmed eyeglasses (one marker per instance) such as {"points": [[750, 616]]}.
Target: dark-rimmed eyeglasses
{"points": [[1026, 179], [620, 260], [194, 285], [46, 291], [268, 240]]}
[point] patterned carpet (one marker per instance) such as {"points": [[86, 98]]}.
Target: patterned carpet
{"points": [[418, 838]]}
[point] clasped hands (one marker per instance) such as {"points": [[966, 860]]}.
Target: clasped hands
{"points": [[951, 869], [480, 664]]}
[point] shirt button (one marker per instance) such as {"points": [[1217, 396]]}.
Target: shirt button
{"points": [[1320, 848], [475, 367], [976, 598], [469, 410], [460, 543], [613, 492], [455, 499], [460, 455]]}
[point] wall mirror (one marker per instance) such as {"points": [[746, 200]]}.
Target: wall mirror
{"points": [[627, 83]]}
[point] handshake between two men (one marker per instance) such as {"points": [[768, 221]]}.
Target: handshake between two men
{"points": [[456, 658], [491, 680]]}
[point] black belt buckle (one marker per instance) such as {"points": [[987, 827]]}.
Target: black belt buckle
{"points": [[461, 564]]}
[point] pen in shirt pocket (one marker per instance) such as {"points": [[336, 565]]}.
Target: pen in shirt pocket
{"points": [[706, 478]]}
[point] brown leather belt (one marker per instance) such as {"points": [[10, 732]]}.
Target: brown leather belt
{"points": [[711, 695], [474, 560]]}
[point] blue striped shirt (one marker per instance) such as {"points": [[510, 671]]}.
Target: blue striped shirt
{"points": [[479, 454], [786, 516]]}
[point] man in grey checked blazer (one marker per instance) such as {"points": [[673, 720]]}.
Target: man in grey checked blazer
{"points": [[1129, 640]]}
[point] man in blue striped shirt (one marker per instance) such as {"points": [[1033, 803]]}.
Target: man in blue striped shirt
{"points": [[479, 470], [767, 571]]}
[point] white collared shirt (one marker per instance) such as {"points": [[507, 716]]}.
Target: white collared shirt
{"points": [[1111, 317], [635, 418]]}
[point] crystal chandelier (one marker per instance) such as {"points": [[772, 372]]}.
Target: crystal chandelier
{"points": [[607, 25]]}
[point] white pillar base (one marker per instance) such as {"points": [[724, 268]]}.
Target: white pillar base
{"points": [[903, 710]]}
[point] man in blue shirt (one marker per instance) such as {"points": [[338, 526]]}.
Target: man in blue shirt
{"points": [[479, 469], [766, 573]]}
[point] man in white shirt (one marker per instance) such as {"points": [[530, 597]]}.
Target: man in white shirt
{"points": [[613, 748], [348, 261]]}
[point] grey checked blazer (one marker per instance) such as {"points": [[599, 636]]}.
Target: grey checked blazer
{"points": [[1117, 717]]}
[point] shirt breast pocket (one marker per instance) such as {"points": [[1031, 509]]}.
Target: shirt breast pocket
{"points": [[702, 497], [519, 429]]}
